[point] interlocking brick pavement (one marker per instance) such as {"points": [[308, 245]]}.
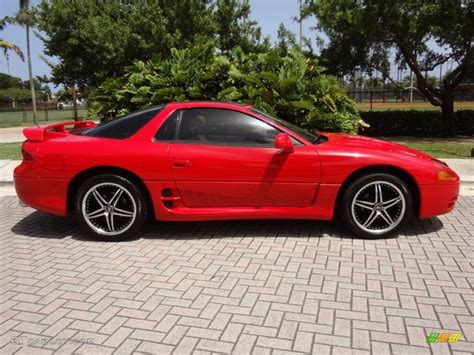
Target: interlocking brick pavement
{"points": [[234, 287]]}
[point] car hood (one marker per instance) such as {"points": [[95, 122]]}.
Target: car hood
{"points": [[355, 142]]}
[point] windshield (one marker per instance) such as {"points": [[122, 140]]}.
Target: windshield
{"points": [[306, 134]]}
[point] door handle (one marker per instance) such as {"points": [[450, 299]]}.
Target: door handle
{"points": [[181, 163]]}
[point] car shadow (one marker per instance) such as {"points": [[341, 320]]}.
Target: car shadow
{"points": [[241, 229], [422, 226], [42, 225]]}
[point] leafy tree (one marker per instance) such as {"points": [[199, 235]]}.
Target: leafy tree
{"points": [[424, 34], [469, 78], [96, 40], [8, 81], [286, 38], [43, 81], [234, 27], [14, 94], [286, 84], [18, 88]]}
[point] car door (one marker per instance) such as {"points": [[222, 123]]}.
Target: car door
{"points": [[226, 158]]}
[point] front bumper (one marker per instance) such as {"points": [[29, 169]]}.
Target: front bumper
{"points": [[438, 199]]}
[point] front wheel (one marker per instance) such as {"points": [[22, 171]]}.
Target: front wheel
{"points": [[111, 208], [376, 205]]}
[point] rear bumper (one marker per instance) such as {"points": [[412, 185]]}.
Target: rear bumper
{"points": [[438, 199], [48, 195]]}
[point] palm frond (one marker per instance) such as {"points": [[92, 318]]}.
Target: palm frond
{"points": [[10, 46]]}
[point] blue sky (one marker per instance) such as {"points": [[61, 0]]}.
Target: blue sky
{"points": [[268, 13]]}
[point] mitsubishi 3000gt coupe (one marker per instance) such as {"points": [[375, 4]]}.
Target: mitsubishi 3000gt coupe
{"points": [[200, 161]]}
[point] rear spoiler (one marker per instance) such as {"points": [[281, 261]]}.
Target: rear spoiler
{"points": [[39, 134]]}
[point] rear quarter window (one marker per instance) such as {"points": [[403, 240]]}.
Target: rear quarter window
{"points": [[125, 126]]}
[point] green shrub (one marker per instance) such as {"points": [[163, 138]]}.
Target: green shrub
{"points": [[286, 84], [414, 123]]}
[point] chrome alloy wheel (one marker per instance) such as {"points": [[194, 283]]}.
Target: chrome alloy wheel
{"points": [[109, 208], [378, 207]]}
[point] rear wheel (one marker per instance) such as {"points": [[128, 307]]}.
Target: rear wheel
{"points": [[111, 208], [376, 205]]}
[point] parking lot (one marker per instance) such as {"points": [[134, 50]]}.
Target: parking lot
{"points": [[235, 287]]}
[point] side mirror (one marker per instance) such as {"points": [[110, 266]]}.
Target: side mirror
{"points": [[283, 143]]}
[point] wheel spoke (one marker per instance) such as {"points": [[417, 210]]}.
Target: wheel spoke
{"points": [[373, 215], [100, 200], [386, 217], [110, 222], [361, 204], [122, 213], [113, 201], [391, 203], [367, 203], [98, 213], [378, 193]]}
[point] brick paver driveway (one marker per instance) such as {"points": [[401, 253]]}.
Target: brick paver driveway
{"points": [[235, 287]]}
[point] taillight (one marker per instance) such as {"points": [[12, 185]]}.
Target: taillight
{"points": [[26, 154]]}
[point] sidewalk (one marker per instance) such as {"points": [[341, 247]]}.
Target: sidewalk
{"points": [[6, 171], [12, 134], [464, 168]]}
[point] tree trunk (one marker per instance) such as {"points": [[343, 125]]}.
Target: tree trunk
{"points": [[74, 102], [447, 112], [30, 72]]}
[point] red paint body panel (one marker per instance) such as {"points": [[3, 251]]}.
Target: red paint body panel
{"points": [[244, 176], [43, 194], [223, 182], [438, 199]]}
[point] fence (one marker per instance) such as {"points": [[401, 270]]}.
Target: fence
{"points": [[463, 94], [23, 114]]}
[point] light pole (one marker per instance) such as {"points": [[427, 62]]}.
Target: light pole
{"points": [[301, 23]]}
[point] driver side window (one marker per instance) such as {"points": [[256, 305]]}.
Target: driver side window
{"points": [[224, 127]]}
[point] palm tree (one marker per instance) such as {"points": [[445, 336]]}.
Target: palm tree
{"points": [[6, 46], [10, 46], [25, 18]]}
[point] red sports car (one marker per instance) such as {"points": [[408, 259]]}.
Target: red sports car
{"points": [[198, 161]]}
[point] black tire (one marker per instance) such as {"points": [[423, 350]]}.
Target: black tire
{"points": [[356, 212], [120, 221]]}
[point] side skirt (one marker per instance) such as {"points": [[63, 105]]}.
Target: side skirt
{"points": [[168, 206]]}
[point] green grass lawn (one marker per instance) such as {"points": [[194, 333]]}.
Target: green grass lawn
{"points": [[15, 118], [438, 150], [10, 151], [444, 150]]}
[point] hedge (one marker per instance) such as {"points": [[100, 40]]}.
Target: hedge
{"points": [[414, 123]]}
